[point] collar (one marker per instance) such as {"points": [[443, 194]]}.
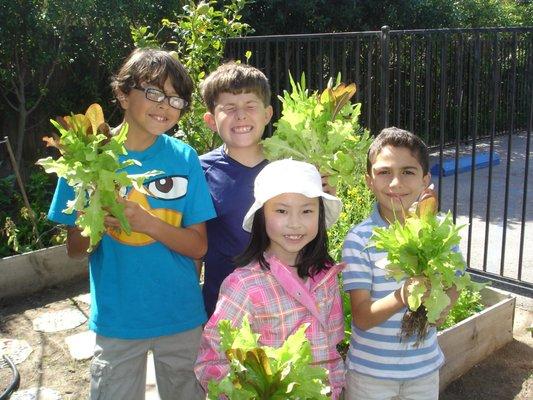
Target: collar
{"points": [[296, 288]]}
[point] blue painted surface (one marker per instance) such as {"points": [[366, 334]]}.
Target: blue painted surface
{"points": [[464, 164]]}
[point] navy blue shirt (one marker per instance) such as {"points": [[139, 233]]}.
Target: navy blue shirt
{"points": [[231, 185]]}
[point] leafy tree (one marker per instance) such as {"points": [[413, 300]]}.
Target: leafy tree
{"points": [[292, 16], [65, 52], [26, 70]]}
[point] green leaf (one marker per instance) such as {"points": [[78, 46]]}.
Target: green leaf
{"points": [[262, 372], [321, 129]]}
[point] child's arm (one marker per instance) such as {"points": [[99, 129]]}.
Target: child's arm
{"points": [[367, 314], [232, 304], [190, 241], [77, 245]]}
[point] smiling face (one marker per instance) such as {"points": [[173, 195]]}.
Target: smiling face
{"points": [[240, 120], [147, 119], [291, 222], [396, 179]]}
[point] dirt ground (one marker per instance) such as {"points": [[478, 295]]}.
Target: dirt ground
{"points": [[505, 375]]}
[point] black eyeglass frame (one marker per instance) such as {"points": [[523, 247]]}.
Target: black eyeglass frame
{"points": [[161, 96]]}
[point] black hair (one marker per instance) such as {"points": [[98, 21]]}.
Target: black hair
{"points": [[154, 67], [312, 258], [397, 137]]}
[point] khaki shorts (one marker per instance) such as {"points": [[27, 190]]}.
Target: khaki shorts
{"points": [[118, 369], [363, 387]]}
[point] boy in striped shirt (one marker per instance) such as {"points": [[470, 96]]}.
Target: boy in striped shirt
{"points": [[380, 365]]}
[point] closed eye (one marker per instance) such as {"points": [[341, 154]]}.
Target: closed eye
{"points": [[229, 109], [168, 187]]}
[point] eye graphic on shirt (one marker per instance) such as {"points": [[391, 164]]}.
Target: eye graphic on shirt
{"points": [[168, 187], [123, 191]]}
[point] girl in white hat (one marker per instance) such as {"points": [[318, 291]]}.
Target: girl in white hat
{"points": [[287, 278]]}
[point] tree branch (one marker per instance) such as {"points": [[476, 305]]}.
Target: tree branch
{"points": [[47, 80], [9, 102]]}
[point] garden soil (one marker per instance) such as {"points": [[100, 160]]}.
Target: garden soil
{"points": [[506, 375]]}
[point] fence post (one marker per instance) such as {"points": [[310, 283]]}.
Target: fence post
{"points": [[384, 82]]}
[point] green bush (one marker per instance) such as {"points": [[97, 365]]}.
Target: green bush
{"points": [[468, 303], [17, 234], [357, 206]]}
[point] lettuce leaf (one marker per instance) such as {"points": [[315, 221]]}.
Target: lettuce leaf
{"points": [[90, 164], [424, 247], [263, 372], [322, 129]]}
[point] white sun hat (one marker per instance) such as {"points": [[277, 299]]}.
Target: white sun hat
{"points": [[291, 176]]}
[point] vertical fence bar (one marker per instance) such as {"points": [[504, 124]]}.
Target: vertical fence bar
{"points": [[509, 154], [475, 103], [287, 63], [529, 97], [384, 82], [344, 57], [297, 53], [398, 105], [332, 67], [458, 111], [368, 88], [412, 76], [358, 70], [308, 74], [427, 88], [276, 76], [320, 64], [495, 95], [443, 100], [268, 73]]}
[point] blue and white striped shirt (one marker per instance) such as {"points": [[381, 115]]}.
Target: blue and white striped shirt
{"points": [[378, 352]]}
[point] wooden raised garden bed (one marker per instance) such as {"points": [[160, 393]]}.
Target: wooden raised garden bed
{"points": [[471, 340]]}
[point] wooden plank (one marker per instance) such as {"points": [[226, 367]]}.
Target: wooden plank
{"points": [[473, 339]]}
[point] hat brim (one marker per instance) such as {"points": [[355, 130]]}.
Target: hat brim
{"points": [[332, 208]]}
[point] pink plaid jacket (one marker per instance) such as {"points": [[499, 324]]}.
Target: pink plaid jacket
{"points": [[277, 303]]}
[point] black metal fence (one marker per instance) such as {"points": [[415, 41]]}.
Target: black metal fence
{"points": [[464, 91]]}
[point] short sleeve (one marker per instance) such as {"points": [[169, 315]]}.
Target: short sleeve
{"points": [[62, 195], [358, 271], [199, 207]]}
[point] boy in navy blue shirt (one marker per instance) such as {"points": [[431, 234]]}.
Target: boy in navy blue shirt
{"points": [[237, 97]]}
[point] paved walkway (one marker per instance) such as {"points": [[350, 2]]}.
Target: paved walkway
{"points": [[497, 209]]}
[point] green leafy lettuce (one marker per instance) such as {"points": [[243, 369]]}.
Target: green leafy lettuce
{"points": [[423, 247], [321, 129], [262, 372], [90, 164]]}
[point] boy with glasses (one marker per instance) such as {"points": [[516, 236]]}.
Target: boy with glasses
{"points": [[145, 294]]}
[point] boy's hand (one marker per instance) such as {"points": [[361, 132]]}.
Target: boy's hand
{"points": [[138, 217], [453, 294], [412, 286]]}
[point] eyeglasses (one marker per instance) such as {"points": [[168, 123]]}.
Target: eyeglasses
{"points": [[158, 96]]}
